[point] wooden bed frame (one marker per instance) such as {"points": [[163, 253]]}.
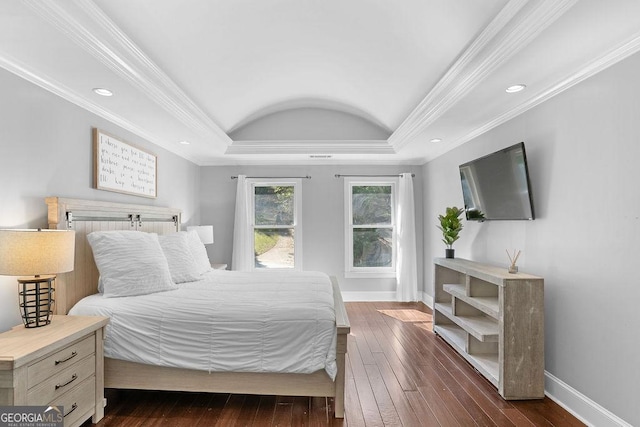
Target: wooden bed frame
{"points": [[85, 216]]}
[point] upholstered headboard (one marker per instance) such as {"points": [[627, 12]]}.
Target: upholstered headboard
{"points": [[85, 216]]}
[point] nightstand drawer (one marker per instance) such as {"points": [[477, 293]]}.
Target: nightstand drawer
{"points": [[52, 388], [78, 403], [29, 373], [60, 360]]}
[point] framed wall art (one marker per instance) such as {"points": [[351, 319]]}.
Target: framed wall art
{"points": [[121, 167]]}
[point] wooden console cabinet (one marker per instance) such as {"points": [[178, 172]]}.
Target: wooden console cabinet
{"points": [[58, 364], [495, 320]]}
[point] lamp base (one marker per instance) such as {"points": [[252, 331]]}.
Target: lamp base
{"points": [[36, 300]]}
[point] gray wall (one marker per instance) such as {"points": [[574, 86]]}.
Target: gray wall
{"points": [[322, 217], [46, 150], [583, 149]]}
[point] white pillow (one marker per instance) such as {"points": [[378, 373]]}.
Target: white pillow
{"points": [[199, 252], [182, 265], [130, 263]]}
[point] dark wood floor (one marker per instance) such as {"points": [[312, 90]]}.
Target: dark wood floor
{"points": [[398, 374]]}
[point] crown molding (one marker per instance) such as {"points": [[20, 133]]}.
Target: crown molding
{"points": [[51, 85], [304, 161], [613, 56], [310, 147], [512, 29], [85, 24], [412, 124]]}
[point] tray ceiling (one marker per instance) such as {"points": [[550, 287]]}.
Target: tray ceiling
{"points": [[307, 82]]}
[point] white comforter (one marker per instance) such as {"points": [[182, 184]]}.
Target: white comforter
{"points": [[229, 321]]}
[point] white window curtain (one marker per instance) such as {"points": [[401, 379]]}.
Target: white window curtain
{"points": [[241, 257], [407, 266]]}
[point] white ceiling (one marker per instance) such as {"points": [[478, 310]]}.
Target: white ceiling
{"points": [[294, 81]]}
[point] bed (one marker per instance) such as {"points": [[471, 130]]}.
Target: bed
{"points": [[85, 216]]}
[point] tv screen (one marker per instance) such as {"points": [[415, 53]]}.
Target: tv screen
{"points": [[497, 186]]}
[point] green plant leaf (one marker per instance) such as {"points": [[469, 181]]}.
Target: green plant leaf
{"points": [[450, 225]]}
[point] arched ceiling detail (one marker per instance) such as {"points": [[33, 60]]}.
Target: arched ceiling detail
{"points": [[307, 119]]}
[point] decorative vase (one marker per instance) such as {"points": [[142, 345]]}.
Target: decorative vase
{"points": [[449, 253]]}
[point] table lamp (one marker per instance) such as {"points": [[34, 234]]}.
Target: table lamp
{"points": [[205, 232], [39, 254]]}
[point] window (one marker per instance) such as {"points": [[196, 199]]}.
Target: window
{"points": [[370, 228], [276, 229]]}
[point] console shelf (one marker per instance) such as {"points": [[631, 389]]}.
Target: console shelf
{"points": [[488, 305], [483, 328], [495, 320]]}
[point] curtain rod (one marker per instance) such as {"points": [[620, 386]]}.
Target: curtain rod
{"points": [[369, 176], [275, 177]]}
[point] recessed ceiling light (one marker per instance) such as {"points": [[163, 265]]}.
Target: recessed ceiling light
{"points": [[515, 88], [102, 91], [436, 140], [185, 142]]}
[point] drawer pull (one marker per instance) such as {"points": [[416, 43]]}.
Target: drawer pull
{"points": [[73, 354], [73, 378], [73, 408]]}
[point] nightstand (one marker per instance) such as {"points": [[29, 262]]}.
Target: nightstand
{"points": [[219, 266], [60, 364]]}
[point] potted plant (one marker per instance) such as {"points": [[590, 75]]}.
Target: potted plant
{"points": [[450, 226]]}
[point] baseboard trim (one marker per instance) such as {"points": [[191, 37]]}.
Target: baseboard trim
{"points": [[427, 300], [356, 296], [351, 296], [583, 408]]}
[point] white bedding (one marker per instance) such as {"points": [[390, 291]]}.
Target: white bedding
{"points": [[229, 321]]}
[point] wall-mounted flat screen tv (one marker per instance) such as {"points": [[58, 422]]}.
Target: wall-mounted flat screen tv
{"points": [[497, 186]]}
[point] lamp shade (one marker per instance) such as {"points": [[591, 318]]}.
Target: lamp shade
{"points": [[36, 252], [205, 232]]}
